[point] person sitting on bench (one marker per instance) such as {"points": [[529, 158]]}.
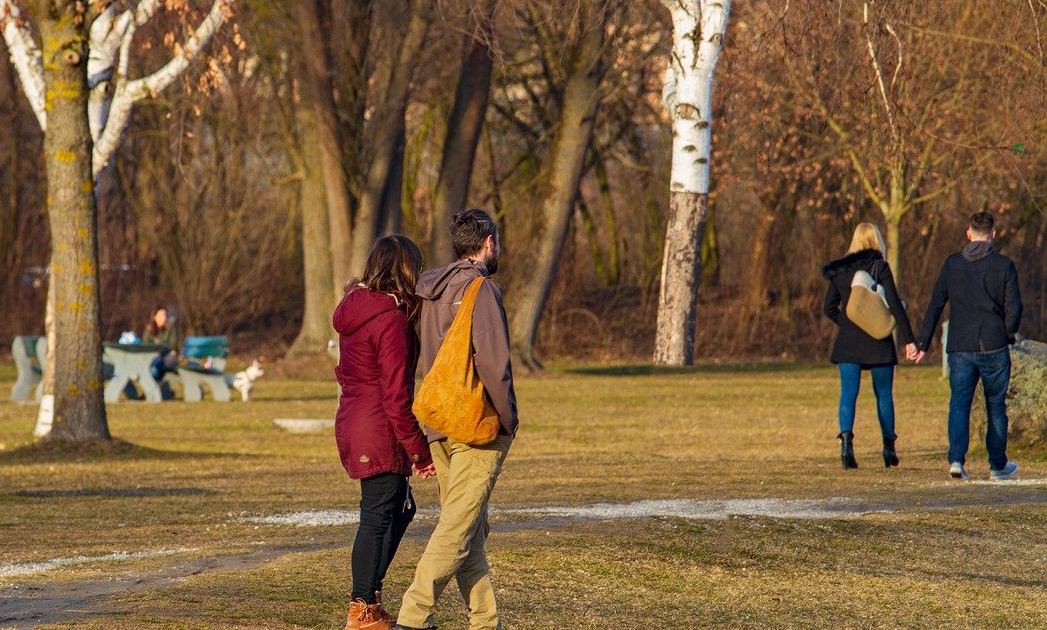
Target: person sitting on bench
{"points": [[162, 331]]}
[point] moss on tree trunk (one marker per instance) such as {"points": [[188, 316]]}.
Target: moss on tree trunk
{"points": [[74, 376]]}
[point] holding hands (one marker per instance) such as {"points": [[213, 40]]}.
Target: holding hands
{"points": [[425, 471], [913, 353]]}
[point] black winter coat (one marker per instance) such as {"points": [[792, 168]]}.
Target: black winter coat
{"points": [[854, 345], [986, 303]]}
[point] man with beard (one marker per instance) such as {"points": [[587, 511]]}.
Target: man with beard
{"points": [[466, 474]]}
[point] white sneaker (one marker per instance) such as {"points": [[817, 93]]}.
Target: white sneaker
{"points": [[1008, 471], [956, 471]]}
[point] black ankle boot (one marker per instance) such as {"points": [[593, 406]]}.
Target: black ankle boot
{"points": [[890, 456], [847, 449]]}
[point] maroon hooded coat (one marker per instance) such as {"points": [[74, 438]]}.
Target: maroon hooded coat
{"points": [[375, 429]]}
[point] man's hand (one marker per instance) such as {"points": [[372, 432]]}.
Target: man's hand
{"points": [[913, 353], [426, 472]]}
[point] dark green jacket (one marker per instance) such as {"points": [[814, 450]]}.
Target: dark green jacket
{"points": [[167, 337]]}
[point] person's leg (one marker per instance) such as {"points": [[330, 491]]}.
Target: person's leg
{"points": [[377, 505], [467, 476], [995, 369], [963, 378], [850, 382], [157, 369], [474, 583], [403, 514], [883, 386]]}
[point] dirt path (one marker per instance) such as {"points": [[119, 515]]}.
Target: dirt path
{"points": [[30, 605]]}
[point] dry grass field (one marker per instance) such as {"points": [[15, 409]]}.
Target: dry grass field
{"points": [[907, 547]]}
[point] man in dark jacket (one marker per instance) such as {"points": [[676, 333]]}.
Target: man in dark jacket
{"points": [[982, 287], [466, 474]]}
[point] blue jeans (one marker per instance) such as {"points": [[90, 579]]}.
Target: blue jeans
{"points": [[994, 370], [883, 387]]}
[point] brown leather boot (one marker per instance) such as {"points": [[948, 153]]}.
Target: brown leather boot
{"points": [[386, 617], [364, 616]]}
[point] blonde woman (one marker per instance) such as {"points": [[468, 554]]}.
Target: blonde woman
{"points": [[855, 350]]}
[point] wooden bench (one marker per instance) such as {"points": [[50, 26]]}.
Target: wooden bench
{"points": [[194, 374], [28, 352]]}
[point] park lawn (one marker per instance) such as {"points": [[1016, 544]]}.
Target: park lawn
{"points": [[945, 555]]}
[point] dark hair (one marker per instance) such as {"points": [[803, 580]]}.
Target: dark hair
{"points": [[982, 223], [469, 228], [151, 327], [393, 267]]}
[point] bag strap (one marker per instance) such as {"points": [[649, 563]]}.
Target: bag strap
{"points": [[469, 299], [464, 317]]}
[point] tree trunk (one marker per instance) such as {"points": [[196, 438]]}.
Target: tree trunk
{"points": [[614, 259], [774, 206], [351, 21], [317, 272], [894, 242], [319, 95], [392, 200], [74, 392], [387, 124], [9, 170], [698, 30], [893, 214], [463, 134], [756, 285], [681, 262], [570, 146]]}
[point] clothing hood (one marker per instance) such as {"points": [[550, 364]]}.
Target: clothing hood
{"points": [[360, 306], [434, 282], [976, 250], [850, 262]]}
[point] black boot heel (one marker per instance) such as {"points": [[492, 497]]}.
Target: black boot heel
{"points": [[847, 450], [890, 456]]}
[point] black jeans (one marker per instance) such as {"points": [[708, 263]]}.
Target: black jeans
{"points": [[386, 509]]}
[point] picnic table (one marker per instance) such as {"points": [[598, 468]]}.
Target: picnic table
{"points": [[131, 361], [127, 362], [212, 351]]}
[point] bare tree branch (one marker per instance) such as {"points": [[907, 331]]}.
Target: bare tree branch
{"points": [[127, 92], [901, 58], [879, 74], [25, 56], [972, 39]]}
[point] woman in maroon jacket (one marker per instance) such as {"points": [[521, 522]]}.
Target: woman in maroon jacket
{"points": [[378, 437]]}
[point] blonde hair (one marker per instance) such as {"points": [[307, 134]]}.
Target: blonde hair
{"points": [[867, 236]]}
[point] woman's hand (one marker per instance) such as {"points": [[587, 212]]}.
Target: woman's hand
{"points": [[913, 353], [425, 472]]}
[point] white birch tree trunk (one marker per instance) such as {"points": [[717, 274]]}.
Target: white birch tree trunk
{"points": [[698, 30]]}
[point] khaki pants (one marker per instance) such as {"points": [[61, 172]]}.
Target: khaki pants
{"points": [[456, 549]]}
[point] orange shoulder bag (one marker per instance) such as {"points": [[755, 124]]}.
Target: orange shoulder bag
{"points": [[452, 399]]}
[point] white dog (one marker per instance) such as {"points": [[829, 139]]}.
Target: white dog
{"points": [[244, 381]]}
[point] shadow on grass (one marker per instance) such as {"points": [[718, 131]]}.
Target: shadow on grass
{"points": [[711, 368], [119, 493], [63, 452]]}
